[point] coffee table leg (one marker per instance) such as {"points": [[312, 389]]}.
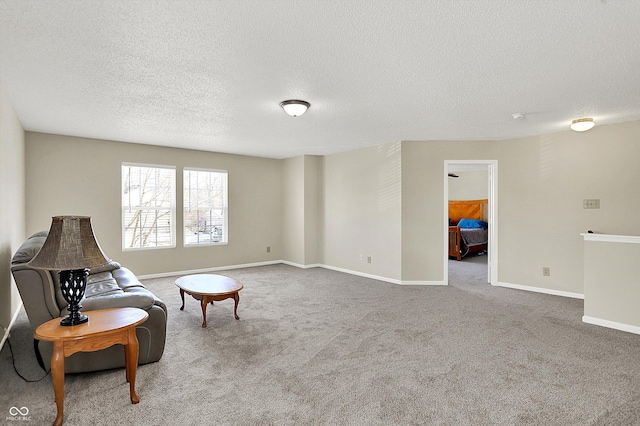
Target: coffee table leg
{"points": [[182, 297], [236, 298], [203, 303], [131, 362], [57, 374]]}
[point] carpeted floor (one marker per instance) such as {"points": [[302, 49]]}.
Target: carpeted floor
{"points": [[319, 347]]}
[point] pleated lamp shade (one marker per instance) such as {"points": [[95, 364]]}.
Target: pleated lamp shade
{"points": [[70, 245]]}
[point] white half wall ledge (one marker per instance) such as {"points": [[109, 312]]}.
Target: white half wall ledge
{"points": [[541, 290], [611, 324], [608, 238]]}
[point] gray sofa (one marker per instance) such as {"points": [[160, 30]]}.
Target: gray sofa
{"points": [[108, 286]]}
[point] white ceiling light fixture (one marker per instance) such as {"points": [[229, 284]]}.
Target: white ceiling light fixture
{"points": [[295, 107], [582, 124]]}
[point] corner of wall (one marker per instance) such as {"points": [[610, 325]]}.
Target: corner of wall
{"points": [[12, 194]]}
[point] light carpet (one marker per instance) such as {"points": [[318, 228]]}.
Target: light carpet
{"points": [[320, 347]]}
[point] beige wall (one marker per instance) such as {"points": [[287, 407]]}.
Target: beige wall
{"points": [[12, 212], [384, 202], [423, 202], [69, 175], [542, 183], [293, 210], [312, 208], [361, 211], [301, 209], [469, 185]]}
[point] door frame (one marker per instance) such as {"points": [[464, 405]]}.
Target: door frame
{"points": [[492, 182]]}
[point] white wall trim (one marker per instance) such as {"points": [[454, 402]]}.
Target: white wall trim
{"points": [[541, 290], [357, 273], [362, 274], [374, 277], [422, 283], [286, 262], [612, 238], [205, 270], [611, 324], [5, 335], [299, 265]]}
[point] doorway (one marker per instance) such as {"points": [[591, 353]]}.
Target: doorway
{"points": [[487, 172]]}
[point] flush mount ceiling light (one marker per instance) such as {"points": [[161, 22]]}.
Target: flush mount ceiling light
{"points": [[582, 124], [295, 107]]}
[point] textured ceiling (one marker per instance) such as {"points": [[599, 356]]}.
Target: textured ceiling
{"points": [[209, 75]]}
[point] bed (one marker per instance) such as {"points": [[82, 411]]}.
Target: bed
{"points": [[468, 232]]}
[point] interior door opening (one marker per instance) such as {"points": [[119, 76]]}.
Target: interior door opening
{"points": [[470, 192]]}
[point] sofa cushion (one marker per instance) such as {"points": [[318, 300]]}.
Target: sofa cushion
{"points": [[118, 300], [101, 284], [116, 289]]}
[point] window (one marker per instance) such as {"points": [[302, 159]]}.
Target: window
{"points": [[205, 207], [148, 206]]}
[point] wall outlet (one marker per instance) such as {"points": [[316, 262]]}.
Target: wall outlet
{"points": [[591, 204], [546, 271], [368, 259], [362, 257], [268, 249]]}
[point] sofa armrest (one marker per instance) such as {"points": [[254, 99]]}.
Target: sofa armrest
{"points": [[37, 293], [125, 278]]}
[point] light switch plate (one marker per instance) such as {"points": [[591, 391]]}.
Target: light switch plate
{"points": [[591, 203]]}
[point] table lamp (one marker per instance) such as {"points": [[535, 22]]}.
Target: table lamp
{"points": [[71, 249]]}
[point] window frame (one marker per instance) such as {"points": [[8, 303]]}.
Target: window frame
{"points": [[172, 208], [225, 208]]}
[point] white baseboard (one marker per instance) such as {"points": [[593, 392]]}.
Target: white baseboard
{"points": [[301, 266], [611, 324], [406, 282], [380, 278], [361, 274], [541, 290], [5, 335], [275, 262], [205, 270], [357, 273]]}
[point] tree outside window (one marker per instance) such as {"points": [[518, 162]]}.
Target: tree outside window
{"points": [[205, 207], [148, 206]]}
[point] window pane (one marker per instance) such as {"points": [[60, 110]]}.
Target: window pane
{"points": [[205, 207], [148, 207]]}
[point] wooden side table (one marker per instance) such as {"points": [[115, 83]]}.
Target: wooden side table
{"points": [[105, 328]]}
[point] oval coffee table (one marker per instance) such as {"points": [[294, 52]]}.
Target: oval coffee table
{"points": [[209, 288]]}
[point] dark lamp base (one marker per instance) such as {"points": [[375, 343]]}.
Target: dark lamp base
{"points": [[73, 284], [69, 320]]}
